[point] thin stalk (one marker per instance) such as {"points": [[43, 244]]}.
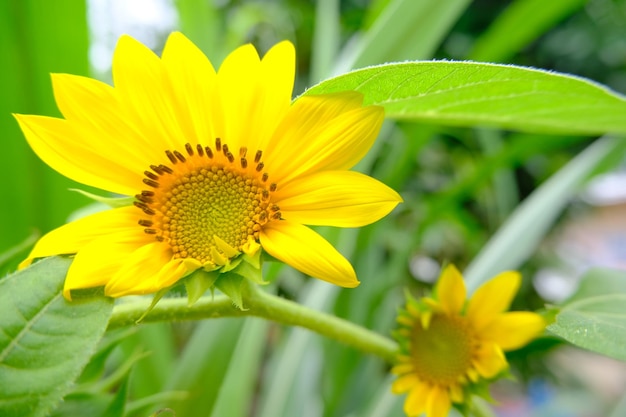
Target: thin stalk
{"points": [[260, 304]]}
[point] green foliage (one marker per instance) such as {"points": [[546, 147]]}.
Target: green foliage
{"points": [[45, 341], [518, 25], [516, 240], [473, 94], [407, 29], [594, 318], [37, 38], [462, 190]]}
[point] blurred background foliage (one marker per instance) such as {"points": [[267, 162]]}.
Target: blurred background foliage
{"points": [[459, 185]]}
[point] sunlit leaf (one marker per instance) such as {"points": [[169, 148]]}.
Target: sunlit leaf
{"points": [[595, 323], [478, 94], [45, 341], [594, 318]]}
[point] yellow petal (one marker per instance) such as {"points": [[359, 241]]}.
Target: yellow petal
{"points": [[403, 368], [438, 403], [250, 106], [66, 149], [451, 290], [278, 75], [404, 383], [72, 237], [94, 111], [415, 403], [456, 394], [492, 298], [308, 252], [336, 198], [142, 86], [514, 330], [97, 262], [192, 83], [322, 133], [490, 360], [148, 269]]}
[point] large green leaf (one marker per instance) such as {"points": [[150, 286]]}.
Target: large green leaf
{"points": [[478, 94], [45, 341], [595, 323], [595, 318]]}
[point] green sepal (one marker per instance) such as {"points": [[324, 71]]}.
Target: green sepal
{"points": [[231, 284], [254, 259], [249, 271], [234, 263], [198, 283], [157, 297], [113, 202]]}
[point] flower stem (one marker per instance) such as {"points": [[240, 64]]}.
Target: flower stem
{"points": [[260, 304]]}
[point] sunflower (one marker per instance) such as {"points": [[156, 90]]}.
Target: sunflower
{"points": [[221, 165], [450, 349]]}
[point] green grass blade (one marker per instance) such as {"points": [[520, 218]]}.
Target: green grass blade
{"points": [[34, 43], [237, 388], [326, 38], [407, 29], [520, 23], [518, 237]]}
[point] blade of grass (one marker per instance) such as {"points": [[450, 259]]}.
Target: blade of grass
{"points": [[34, 44], [407, 29], [237, 388], [520, 23], [518, 237], [325, 39]]}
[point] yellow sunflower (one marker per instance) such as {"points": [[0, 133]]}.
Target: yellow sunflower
{"points": [[220, 164], [449, 346]]}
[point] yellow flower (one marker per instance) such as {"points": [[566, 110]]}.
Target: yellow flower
{"points": [[220, 164], [448, 347]]}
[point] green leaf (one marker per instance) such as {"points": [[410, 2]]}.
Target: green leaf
{"points": [[594, 318], [476, 94], [518, 237], [595, 323], [45, 341]]}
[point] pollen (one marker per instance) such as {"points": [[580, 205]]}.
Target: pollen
{"points": [[442, 353], [207, 197]]}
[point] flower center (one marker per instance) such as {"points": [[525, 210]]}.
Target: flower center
{"points": [[443, 352], [207, 202]]}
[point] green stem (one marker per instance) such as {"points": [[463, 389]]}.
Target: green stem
{"points": [[260, 304]]}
